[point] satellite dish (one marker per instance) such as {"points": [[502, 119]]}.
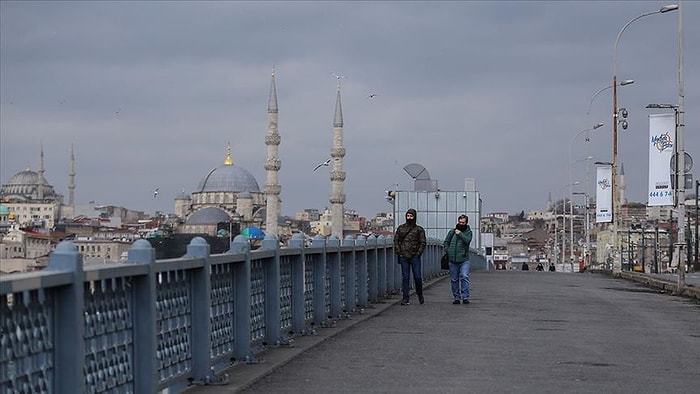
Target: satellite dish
{"points": [[417, 171]]}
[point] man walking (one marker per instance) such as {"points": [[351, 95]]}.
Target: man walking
{"points": [[457, 247], [409, 243]]}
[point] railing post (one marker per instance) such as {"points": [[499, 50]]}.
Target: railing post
{"points": [[144, 307], [372, 268], [69, 322], [201, 310], [297, 267], [272, 290], [241, 299], [333, 264], [350, 276], [382, 266], [319, 302], [362, 277], [392, 258], [390, 265]]}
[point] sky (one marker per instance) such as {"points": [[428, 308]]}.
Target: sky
{"points": [[149, 94]]}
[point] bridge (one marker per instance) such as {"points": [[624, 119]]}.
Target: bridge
{"points": [[222, 323]]}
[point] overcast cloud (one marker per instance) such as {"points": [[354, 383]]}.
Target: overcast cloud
{"points": [[150, 93]]}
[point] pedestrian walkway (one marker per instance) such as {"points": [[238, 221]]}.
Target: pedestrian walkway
{"points": [[545, 332]]}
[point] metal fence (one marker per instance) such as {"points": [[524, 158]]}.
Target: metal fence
{"points": [[145, 326]]}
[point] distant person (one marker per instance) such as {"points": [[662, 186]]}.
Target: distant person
{"points": [[539, 267], [551, 267], [409, 243], [457, 247], [525, 267]]}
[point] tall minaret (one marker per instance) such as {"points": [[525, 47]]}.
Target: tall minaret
{"points": [[273, 164], [40, 181], [71, 179], [623, 185], [337, 198]]}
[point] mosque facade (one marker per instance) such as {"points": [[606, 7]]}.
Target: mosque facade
{"points": [[226, 194]]}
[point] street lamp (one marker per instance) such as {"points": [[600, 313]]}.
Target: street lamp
{"points": [[563, 235], [697, 262], [598, 209], [571, 148], [679, 170], [616, 199], [585, 230], [588, 170]]}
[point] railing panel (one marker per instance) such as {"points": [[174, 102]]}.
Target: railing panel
{"points": [[257, 301], [223, 332], [109, 336], [286, 291], [26, 342], [174, 324]]}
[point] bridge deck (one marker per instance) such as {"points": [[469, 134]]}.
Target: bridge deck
{"points": [[523, 332]]}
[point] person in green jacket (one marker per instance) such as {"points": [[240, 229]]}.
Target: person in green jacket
{"points": [[457, 248]]}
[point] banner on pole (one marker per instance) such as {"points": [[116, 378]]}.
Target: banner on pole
{"points": [[603, 195], [662, 135]]}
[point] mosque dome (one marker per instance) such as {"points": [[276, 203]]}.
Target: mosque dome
{"points": [[209, 215], [26, 177], [228, 177], [25, 186]]}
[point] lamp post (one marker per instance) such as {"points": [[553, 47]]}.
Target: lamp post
{"points": [[680, 167], [563, 235], [571, 148], [588, 177], [616, 199], [598, 203], [585, 194], [697, 262]]}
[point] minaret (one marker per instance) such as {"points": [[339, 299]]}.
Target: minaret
{"points": [[273, 164], [623, 185], [337, 198], [40, 181], [71, 179]]}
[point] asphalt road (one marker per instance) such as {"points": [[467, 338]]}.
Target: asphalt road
{"points": [[524, 332]]}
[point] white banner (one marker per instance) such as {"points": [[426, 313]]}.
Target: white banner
{"points": [[662, 136], [603, 195]]}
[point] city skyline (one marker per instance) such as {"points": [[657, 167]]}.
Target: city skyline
{"points": [[490, 91]]}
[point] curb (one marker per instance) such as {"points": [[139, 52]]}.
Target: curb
{"points": [[688, 291]]}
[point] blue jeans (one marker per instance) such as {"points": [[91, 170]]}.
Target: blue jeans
{"points": [[408, 265], [459, 279]]}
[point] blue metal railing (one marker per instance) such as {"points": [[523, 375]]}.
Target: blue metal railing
{"points": [[148, 325]]}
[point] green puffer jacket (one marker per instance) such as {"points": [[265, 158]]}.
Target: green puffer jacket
{"points": [[457, 245]]}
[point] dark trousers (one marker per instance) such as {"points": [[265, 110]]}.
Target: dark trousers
{"points": [[408, 265]]}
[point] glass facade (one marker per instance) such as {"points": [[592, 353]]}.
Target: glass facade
{"points": [[438, 211]]}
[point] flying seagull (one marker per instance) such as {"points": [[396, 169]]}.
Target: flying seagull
{"points": [[325, 163], [155, 192], [338, 76], [373, 95]]}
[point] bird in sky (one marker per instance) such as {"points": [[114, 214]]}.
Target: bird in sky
{"points": [[155, 192], [325, 163], [372, 95], [337, 76]]}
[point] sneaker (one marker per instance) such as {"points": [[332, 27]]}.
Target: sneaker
{"points": [[421, 299], [465, 301], [405, 302], [455, 302]]}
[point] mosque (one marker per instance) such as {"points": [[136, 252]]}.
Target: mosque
{"points": [[227, 196]]}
